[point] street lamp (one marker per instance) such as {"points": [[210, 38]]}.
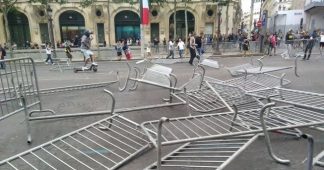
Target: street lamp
{"points": [[219, 14], [50, 28]]}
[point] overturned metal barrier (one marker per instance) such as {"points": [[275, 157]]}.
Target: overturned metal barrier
{"points": [[294, 97], [248, 68], [106, 144], [18, 79], [203, 99], [207, 154], [258, 81], [235, 97], [61, 64], [194, 128]]}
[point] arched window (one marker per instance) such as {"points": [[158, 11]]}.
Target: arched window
{"points": [[279, 8], [180, 23], [19, 28], [127, 25], [71, 26]]}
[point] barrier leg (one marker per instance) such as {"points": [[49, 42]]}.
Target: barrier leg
{"points": [[234, 117], [23, 101], [137, 73], [310, 150], [159, 138], [317, 159], [266, 135]]}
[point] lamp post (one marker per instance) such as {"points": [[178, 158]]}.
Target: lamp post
{"points": [[219, 14], [50, 28]]}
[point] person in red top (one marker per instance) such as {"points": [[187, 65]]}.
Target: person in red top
{"points": [[273, 44]]}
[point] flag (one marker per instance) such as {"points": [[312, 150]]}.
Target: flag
{"points": [[145, 13]]}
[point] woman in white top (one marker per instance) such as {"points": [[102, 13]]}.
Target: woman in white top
{"points": [[48, 53], [322, 40], [181, 46], [148, 50]]}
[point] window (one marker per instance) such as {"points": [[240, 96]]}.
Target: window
{"points": [[283, 8], [279, 8]]}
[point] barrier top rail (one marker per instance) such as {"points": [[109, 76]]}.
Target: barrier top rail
{"points": [[295, 97], [258, 81], [193, 128], [106, 144]]}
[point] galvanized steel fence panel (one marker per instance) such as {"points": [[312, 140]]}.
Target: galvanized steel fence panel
{"points": [[106, 144], [193, 128], [18, 79], [207, 154]]}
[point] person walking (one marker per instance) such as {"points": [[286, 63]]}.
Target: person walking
{"points": [[272, 44], [181, 47], [68, 52], [3, 54], [198, 41], [119, 50], [192, 48], [156, 45], [246, 46], [171, 49], [322, 41], [148, 50], [310, 44], [48, 53]]}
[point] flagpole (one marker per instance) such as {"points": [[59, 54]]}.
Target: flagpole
{"points": [[142, 40]]}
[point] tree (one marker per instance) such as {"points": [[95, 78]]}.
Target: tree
{"points": [[5, 7]]}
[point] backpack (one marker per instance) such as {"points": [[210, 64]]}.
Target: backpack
{"points": [[273, 40]]}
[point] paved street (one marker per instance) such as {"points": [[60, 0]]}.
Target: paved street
{"points": [[255, 157]]}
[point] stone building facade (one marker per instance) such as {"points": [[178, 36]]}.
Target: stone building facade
{"points": [[112, 21]]}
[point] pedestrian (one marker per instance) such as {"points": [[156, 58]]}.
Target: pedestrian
{"points": [[181, 47], [86, 49], [68, 52], [322, 41], [3, 56], [48, 53], [309, 45], [119, 50], [289, 40], [198, 41], [148, 49], [126, 50], [164, 44], [192, 48], [171, 49], [246, 46], [272, 44], [156, 45]]}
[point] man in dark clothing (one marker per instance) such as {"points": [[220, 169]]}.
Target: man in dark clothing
{"points": [[198, 41], [3, 54], [156, 45], [310, 41]]}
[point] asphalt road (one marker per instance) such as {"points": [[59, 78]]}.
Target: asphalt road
{"points": [[255, 157]]}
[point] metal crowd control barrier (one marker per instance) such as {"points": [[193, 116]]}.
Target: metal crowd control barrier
{"points": [[294, 97], [236, 97], [210, 63], [106, 144], [297, 47], [212, 126], [319, 159], [258, 81], [167, 61], [209, 154], [203, 99], [61, 64], [18, 79]]}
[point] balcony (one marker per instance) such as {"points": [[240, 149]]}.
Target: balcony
{"points": [[314, 6]]}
